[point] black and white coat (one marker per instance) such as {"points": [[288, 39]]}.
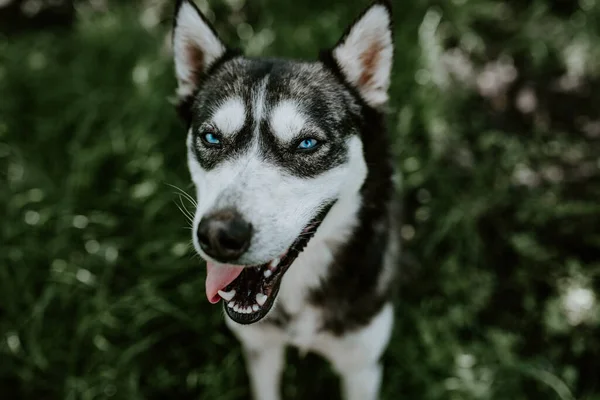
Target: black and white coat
{"points": [[335, 298]]}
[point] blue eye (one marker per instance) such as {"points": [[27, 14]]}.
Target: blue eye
{"points": [[308, 144], [211, 139]]}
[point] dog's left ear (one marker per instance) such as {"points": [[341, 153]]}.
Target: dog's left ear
{"points": [[196, 46], [365, 53]]}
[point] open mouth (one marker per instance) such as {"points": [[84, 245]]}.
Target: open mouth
{"points": [[249, 292]]}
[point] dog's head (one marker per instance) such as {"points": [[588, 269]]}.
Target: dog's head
{"points": [[272, 145]]}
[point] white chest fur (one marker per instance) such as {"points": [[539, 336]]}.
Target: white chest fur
{"points": [[306, 274]]}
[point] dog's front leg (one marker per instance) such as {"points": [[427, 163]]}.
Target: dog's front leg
{"points": [[361, 384], [265, 366], [264, 352], [356, 354]]}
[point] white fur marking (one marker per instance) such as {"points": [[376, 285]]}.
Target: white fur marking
{"points": [[258, 103], [286, 120], [230, 116], [366, 55]]}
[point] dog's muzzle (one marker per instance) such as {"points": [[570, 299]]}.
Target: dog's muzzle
{"points": [[249, 292]]}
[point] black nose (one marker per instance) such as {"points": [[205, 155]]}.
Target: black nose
{"points": [[224, 235]]}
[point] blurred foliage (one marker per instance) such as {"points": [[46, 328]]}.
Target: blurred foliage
{"points": [[495, 119]]}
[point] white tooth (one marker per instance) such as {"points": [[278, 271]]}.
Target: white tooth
{"points": [[248, 310], [236, 308], [231, 304], [267, 273], [255, 307], [261, 298], [227, 295], [274, 263]]}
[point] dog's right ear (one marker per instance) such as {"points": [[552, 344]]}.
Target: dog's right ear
{"points": [[196, 46]]}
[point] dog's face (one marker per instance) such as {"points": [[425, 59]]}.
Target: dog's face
{"points": [[272, 145], [287, 147]]}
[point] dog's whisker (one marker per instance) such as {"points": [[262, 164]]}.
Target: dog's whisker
{"points": [[192, 256], [187, 217], [181, 197], [190, 199], [188, 212], [185, 194], [178, 189]]}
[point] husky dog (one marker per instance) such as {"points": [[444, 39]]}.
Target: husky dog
{"points": [[295, 196]]}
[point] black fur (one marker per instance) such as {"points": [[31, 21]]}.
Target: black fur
{"points": [[349, 295]]}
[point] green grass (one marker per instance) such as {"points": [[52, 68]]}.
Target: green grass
{"points": [[102, 297]]}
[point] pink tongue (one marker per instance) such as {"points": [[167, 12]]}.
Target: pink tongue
{"points": [[218, 277]]}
